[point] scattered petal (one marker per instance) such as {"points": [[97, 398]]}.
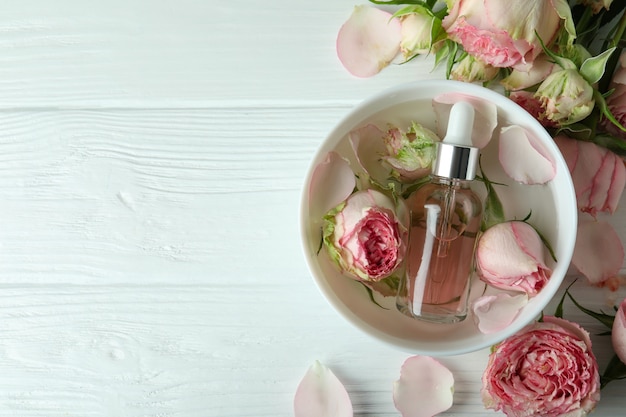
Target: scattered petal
{"points": [[321, 394], [369, 147], [495, 312], [519, 80], [332, 182], [598, 253], [425, 387], [368, 41], [485, 116], [599, 176], [524, 158]]}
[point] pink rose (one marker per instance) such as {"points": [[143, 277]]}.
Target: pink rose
{"points": [[510, 256], [502, 33], [364, 236], [618, 333], [546, 370]]}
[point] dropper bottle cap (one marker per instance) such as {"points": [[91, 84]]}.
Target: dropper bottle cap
{"points": [[456, 157]]}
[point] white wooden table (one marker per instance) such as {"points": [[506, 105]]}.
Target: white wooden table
{"points": [[152, 155]]}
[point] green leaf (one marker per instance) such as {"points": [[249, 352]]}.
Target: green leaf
{"points": [[593, 68], [559, 60], [451, 59], [578, 131], [558, 312], [604, 108], [370, 293], [412, 9], [612, 143], [605, 319], [614, 371], [443, 52], [494, 211]]}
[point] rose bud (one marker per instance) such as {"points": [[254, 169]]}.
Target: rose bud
{"points": [[566, 97], [618, 333], [411, 153], [597, 5], [504, 33], [546, 370], [418, 28], [510, 256], [472, 70], [365, 237]]}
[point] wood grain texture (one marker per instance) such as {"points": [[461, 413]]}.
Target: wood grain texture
{"points": [[152, 155]]}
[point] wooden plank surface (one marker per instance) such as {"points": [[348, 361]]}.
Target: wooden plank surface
{"points": [[152, 156]]}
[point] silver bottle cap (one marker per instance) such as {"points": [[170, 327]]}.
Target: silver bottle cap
{"points": [[456, 157]]}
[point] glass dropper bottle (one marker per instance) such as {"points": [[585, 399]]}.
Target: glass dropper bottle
{"points": [[445, 221]]}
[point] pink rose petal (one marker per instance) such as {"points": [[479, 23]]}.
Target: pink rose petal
{"points": [[618, 182], [368, 146], [368, 41], [524, 158], [618, 333], [495, 312], [485, 116], [425, 387], [598, 253], [332, 182], [321, 394], [569, 149]]}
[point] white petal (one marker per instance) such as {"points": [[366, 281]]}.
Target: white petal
{"points": [[321, 394], [524, 158], [425, 387], [494, 312], [368, 41], [485, 116], [332, 182]]}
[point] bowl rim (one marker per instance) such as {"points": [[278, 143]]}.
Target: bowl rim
{"points": [[444, 86]]}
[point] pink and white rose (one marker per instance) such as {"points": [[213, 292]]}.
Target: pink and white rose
{"points": [[505, 34], [566, 97], [510, 256], [364, 236], [546, 370]]}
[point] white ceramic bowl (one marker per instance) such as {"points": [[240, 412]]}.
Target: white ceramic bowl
{"points": [[553, 208]]}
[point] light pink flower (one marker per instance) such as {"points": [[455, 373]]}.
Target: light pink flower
{"points": [[502, 33], [510, 256], [321, 394], [599, 175], [598, 253], [368, 41], [546, 370], [364, 236], [618, 333], [425, 388]]}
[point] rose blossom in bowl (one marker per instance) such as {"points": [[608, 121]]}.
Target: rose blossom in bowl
{"points": [[343, 245]]}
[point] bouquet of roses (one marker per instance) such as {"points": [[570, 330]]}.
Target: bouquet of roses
{"points": [[562, 61]]}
